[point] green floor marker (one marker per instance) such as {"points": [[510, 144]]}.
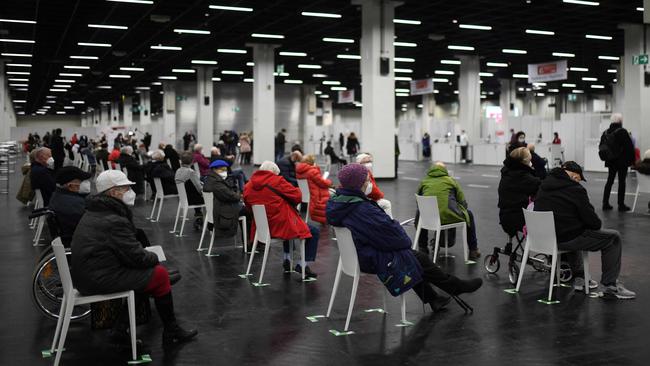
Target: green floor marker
{"points": [[257, 284], [511, 291], [377, 310], [143, 359], [404, 323], [244, 275], [314, 318], [552, 302], [470, 262], [338, 334]]}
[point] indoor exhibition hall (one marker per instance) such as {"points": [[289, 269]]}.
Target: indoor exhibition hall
{"points": [[340, 182]]}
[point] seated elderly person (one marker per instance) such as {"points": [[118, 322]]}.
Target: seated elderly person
{"points": [[69, 200], [202, 161], [318, 187], [287, 166], [377, 195], [227, 201], [193, 186], [381, 242], [452, 207], [158, 168], [41, 174], [107, 256], [266, 187], [135, 171], [537, 162]]}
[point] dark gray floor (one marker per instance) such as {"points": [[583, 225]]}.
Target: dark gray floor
{"points": [[243, 325]]}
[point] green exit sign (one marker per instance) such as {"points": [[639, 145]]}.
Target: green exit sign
{"points": [[640, 60]]}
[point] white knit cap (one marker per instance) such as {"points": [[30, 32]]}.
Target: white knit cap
{"points": [[270, 166], [112, 178]]}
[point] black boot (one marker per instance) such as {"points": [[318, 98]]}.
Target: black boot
{"points": [[428, 295], [173, 333], [455, 286]]}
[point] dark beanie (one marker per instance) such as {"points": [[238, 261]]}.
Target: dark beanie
{"points": [[68, 173], [352, 176]]}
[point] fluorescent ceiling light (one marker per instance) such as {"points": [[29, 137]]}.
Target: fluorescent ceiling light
{"points": [[58, 90], [68, 107], [142, 88], [12, 40], [230, 8], [339, 88], [283, 74], [6, 54], [204, 62], [460, 48], [249, 80], [402, 95], [324, 96], [19, 65], [595, 36], [320, 15], [166, 48], [50, 97], [214, 78], [403, 78], [450, 62], [612, 71], [319, 75], [19, 85], [84, 57], [404, 71], [232, 72], [563, 54], [92, 44], [64, 81], [293, 54], [309, 66], [613, 58], [18, 72], [167, 77], [267, 35], [539, 84], [577, 91], [640, 9], [404, 59], [60, 112], [289, 81], [119, 76], [69, 74], [444, 72], [148, 2], [231, 50], [331, 82], [589, 79], [407, 21], [581, 2], [554, 90], [156, 83], [473, 26], [191, 31], [318, 92], [520, 76], [77, 67], [568, 85], [17, 79], [106, 26], [129, 68], [349, 57], [514, 51], [338, 40], [250, 64], [17, 21], [497, 64], [184, 71], [400, 90], [440, 80], [541, 32], [405, 44], [579, 69], [597, 86], [78, 102], [485, 74]]}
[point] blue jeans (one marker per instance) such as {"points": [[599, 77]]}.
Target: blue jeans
{"points": [[311, 244]]}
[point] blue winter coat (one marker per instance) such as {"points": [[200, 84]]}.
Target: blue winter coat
{"points": [[383, 247]]}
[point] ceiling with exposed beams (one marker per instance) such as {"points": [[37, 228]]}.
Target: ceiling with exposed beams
{"points": [[51, 86]]}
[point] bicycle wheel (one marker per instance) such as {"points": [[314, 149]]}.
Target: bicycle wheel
{"points": [[492, 263], [47, 290]]}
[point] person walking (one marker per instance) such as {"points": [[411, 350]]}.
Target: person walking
{"points": [[617, 151], [280, 144], [352, 145]]}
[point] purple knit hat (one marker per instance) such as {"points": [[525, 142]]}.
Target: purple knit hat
{"points": [[352, 176]]}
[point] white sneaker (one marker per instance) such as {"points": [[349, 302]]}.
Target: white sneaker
{"points": [[579, 284], [618, 292]]}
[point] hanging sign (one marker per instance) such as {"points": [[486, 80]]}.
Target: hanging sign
{"points": [[346, 96], [547, 71], [422, 86], [640, 60]]}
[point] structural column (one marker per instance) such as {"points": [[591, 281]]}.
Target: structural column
{"points": [[127, 107], [103, 114], [636, 109], [169, 113], [469, 96], [507, 98], [263, 102], [145, 108], [378, 84], [4, 111], [308, 110], [115, 113], [205, 107]]}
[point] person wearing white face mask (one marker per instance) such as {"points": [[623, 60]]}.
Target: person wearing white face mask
{"points": [[69, 200], [376, 195], [108, 257], [227, 201], [41, 174]]}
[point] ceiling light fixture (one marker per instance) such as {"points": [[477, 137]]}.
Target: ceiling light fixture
{"points": [[405, 44], [320, 15], [204, 62], [17, 79], [597, 86], [595, 36], [407, 21], [338, 40], [476, 27], [444, 72], [167, 48], [92, 44], [184, 71], [6, 54], [319, 75], [214, 78], [20, 65], [106, 26], [69, 74], [191, 31], [440, 80], [249, 80], [585, 78], [485, 74], [104, 87], [612, 58], [65, 81], [497, 64], [84, 57], [514, 51], [231, 50], [581, 2], [520, 76], [612, 71], [339, 88], [568, 85], [230, 8], [129, 68], [331, 82], [404, 71], [18, 72], [119, 76], [460, 48], [579, 69], [77, 67], [167, 77], [17, 21], [403, 78], [450, 62], [267, 35], [404, 59], [293, 54], [12, 40], [290, 81], [232, 72], [540, 32], [309, 66], [349, 57], [250, 64], [563, 54]]}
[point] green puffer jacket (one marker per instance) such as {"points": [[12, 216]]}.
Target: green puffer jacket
{"points": [[451, 199]]}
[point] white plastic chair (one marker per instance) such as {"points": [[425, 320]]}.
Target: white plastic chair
{"points": [[38, 203], [349, 264], [263, 234], [183, 205], [159, 197], [430, 220], [40, 221], [540, 238], [303, 184], [125, 171], [208, 218], [86, 163], [642, 186], [195, 167], [72, 298]]}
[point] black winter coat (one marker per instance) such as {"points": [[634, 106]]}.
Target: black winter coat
{"points": [[226, 205], [288, 170], [518, 184], [160, 169], [569, 202], [135, 171], [624, 147], [172, 156], [42, 178], [69, 208], [643, 167], [106, 255], [539, 165]]}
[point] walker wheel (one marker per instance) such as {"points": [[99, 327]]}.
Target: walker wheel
{"points": [[492, 263], [513, 273], [566, 274]]}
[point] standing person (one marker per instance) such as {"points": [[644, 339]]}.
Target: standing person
{"points": [[280, 144], [556, 139], [518, 140], [426, 145], [147, 141], [617, 150], [172, 156], [353, 144], [245, 148], [397, 153], [464, 143], [341, 141], [101, 155], [329, 151], [187, 139], [74, 139], [58, 150]]}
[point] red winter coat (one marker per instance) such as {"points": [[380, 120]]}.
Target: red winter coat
{"points": [[318, 190], [376, 193], [284, 220]]}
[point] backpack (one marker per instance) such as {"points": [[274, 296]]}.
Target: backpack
{"points": [[607, 149]]}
